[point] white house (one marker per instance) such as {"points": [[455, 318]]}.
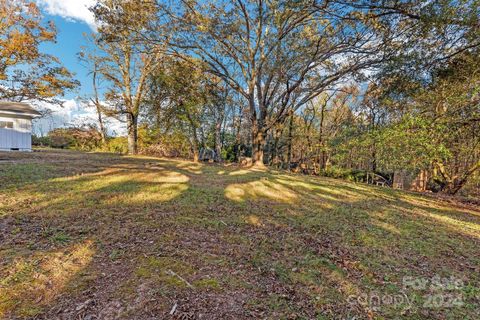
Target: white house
{"points": [[16, 126]]}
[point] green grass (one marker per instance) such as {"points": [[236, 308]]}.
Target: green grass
{"points": [[138, 235]]}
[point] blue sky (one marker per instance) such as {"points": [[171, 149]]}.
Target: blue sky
{"points": [[70, 39], [72, 19]]}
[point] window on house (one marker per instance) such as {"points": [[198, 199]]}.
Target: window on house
{"points": [[6, 125]]}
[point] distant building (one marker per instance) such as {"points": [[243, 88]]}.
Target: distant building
{"points": [[16, 126]]}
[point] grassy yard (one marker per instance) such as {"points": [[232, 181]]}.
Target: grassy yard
{"points": [[87, 236]]}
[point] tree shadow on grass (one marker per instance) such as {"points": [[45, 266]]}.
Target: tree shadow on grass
{"points": [[250, 243], [378, 230], [113, 203]]}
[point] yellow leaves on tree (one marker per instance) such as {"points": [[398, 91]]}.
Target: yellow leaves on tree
{"points": [[25, 72]]}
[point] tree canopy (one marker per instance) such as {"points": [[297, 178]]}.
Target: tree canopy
{"points": [[26, 73]]}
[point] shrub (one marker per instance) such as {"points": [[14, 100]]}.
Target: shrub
{"points": [[116, 145], [336, 172], [174, 144], [41, 141], [87, 138]]}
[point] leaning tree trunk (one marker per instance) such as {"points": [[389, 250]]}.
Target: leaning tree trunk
{"points": [[454, 184], [103, 131], [452, 187], [132, 126]]}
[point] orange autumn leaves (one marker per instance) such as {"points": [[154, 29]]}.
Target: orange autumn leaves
{"points": [[25, 70]]}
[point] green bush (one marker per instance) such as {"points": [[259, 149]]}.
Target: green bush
{"points": [[116, 145], [346, 174], [41, 141], [357, 176], [336, 172]]}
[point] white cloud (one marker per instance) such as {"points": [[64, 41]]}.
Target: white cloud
{"points": [[70, 9], [73, 113]]}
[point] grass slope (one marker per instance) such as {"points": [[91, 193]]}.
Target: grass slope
{"points": [[143, 238]]}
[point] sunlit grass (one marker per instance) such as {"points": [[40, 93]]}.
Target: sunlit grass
{"points": [[240, 172], [30, 283], [254, 220], [386, 226], [105, 188], [288, 245], [467, 228], [260, 189]]}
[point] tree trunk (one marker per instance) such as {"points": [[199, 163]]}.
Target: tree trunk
{"points": [[195, 144], [374, 159], [258, 145], [321, 144], [275, 150], [453, 187], [290, 138], [218, 144], [132, 124], [238, 139], [196, 156], [218, 139], [454, 184], [201, 137], [103, 131]]}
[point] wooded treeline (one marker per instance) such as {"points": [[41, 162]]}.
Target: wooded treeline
{"points": [[326, 87]]}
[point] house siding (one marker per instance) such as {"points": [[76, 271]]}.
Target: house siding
{"points": [[19, 137]]}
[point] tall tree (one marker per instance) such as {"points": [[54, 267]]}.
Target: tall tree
{"points": [[26, 73], [281, 54], [218, 100], [441, 129], [123, 61], [188, 99], [92, 61]]}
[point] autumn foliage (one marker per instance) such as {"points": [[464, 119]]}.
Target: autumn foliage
{"points": [[25, 71]]}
